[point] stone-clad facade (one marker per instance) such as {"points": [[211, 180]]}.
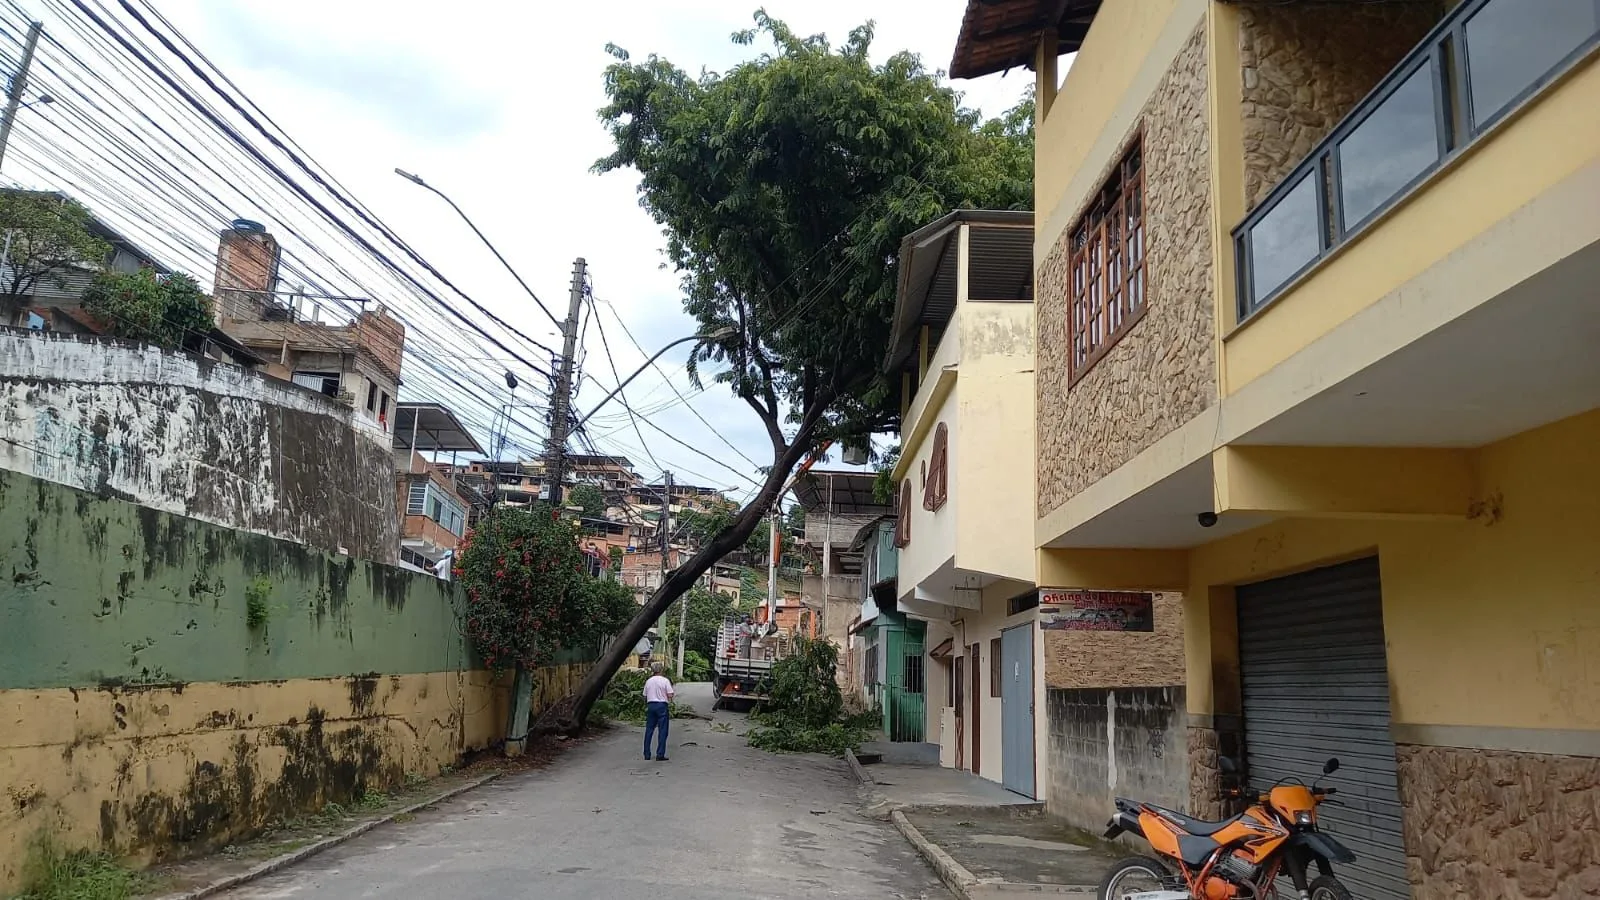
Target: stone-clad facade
{"points": [[1098, 659], [1163, 371], [1485, 823], [1305, 65]]}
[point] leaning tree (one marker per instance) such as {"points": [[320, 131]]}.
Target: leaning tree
{"points": [[783, 188]]}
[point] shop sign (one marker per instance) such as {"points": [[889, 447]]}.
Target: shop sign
{"points": [[1074, 610]]}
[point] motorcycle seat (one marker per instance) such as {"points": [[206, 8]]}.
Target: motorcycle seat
{"points": [[1196, 827]]}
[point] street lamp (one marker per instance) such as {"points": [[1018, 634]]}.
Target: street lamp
{"points": [[417, 180], [719, 334]]}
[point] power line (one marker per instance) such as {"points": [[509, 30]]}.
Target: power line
{"points": [[612, 361], [685, 400]]}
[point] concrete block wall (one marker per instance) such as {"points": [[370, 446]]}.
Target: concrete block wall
{"points": [[1105, 743]]}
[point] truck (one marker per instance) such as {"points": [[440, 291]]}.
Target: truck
{"points": [[742, 668]]}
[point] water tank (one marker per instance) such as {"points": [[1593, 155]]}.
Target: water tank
{"points": [[248, 225]]}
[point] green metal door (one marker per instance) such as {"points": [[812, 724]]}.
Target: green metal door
{"points": [[904, 708]]}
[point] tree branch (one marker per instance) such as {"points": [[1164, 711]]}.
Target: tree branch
{"points": [[679, 580]]}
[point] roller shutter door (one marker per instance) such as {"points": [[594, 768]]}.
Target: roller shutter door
{"points": [[1315, 679]]}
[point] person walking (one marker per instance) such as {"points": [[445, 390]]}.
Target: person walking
{"points": [[658, 693]]}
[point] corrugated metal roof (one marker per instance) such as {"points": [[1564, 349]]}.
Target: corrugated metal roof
{"points": [[1000, 267]]}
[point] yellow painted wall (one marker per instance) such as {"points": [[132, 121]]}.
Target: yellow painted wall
{"points": [[983, 394], [145, 771], [982, 627], [1490, 621], [933, 532], [1130, 45], [1552, 139], [994, 430]]}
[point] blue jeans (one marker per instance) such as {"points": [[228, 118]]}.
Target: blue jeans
{"points": [[656, 717]]}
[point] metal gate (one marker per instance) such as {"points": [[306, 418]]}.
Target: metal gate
{"points": [[1016, 710], [904, 707], [1315, 679]]}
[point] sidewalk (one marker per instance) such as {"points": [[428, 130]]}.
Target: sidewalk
{"points": [[983, 840]]}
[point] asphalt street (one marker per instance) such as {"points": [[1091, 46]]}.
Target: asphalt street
{"points": [[718, 820]]}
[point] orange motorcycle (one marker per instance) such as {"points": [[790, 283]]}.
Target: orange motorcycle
{"points": [[1235, 859]]}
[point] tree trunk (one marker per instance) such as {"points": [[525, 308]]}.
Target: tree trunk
{"points": [[685, 576]]}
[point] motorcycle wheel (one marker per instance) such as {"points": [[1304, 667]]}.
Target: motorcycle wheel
{"points": [[1134, 875], [1330, 888]]}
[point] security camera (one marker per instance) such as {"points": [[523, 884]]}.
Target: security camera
{"points": [[1207, 519]]}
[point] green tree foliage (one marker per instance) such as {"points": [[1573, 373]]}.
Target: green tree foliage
{"points": [[805, 712], [794, 521], [48, 237], [169, 311], [528, 591], [883, 486], [590, 498], [706, 612], [783, 188]]}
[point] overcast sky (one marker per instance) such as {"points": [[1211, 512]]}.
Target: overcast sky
{"points": [[494, 103]]}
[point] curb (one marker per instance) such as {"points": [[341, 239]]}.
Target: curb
{"points": [[967, 886], [954, 875], [855, 766], [310, 850]]}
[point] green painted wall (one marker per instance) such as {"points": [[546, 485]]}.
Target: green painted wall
{"points": [[96, 591]]}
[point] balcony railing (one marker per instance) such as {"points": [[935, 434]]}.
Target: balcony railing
{"points": [[1478, 65]]}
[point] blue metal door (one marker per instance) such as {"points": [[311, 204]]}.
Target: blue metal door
{"points": [[1016, 709]]}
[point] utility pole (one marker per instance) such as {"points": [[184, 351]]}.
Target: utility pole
{"points": [[561, 393], [554, 466], [666, 549], [775, 550], [19, 83], [827, 560]]}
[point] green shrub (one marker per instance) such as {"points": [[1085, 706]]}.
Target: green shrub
{"points": [[256, 593], [695, 666], [805, 712], [51, 874], [624, 698]]}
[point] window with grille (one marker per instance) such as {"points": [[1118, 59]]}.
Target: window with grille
{"points": [[913, 674], [1107, 264], [936, 488], [417, 500]]}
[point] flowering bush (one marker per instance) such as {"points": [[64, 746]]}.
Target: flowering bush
{"points": [[529, 593]]}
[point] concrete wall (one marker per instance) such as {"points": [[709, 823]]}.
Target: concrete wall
{"points": [[1162, 372], [142, 713], [984, 397], [1491, 625], [932, 544], [1105, 743], [991, 440], [189, 436]]}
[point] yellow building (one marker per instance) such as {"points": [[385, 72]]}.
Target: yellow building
{"points": [[1318, 303], [963, 347]]}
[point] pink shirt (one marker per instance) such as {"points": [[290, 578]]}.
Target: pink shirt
{"points": [[658, 689]]}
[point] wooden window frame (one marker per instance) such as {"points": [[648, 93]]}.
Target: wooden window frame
{"points": [[936, 487], [902, 524], [996, 677], [1107, 273]]}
